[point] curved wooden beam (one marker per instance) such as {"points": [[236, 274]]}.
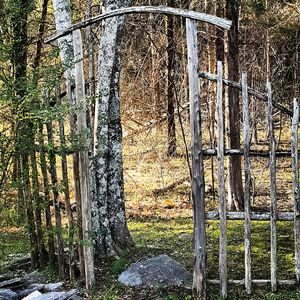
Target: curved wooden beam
{"points": [[223, 23]]}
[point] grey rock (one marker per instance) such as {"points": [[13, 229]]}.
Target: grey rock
{"points": [[29, 290], [158, 271], [4, 298], [34, 277], [54, 296], [37, 286], [32, 295], [8, 293], [53, 287], [5, 277], [13, 283]]}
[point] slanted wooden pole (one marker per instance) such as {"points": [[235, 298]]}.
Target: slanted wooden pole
{"points": [[221, 183], [246, 123], [273, 210], [88, 249], [296, 194], [199, 274]]}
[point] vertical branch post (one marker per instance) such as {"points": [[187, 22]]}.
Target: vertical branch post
{"points": [[296, 195], [273, 210], [199, 275], [221, 182], [246, 123], [83, 161]]}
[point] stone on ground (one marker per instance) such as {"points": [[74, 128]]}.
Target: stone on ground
{"points": [[33, 295], [53, 287], [158, 271], [8, 293]]}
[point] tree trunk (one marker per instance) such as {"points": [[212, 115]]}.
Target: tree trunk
{"points": [[235, 170], [49, 227], [109, 220], [24, 129]]}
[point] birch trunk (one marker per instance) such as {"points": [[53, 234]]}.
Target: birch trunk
{"points": [[109, 221]]}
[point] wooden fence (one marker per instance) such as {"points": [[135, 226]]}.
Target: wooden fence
{"points": [[198, 153]]}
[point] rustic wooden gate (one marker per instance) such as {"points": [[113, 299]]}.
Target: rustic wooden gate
{"points": [[198, 153]]}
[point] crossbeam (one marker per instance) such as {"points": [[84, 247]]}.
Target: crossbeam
{"points": [[252, 92], [259, 153], [220, 22], [254, 216]]}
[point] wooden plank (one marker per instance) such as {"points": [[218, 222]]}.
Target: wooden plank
{"points": [[259, 153], [296, 195], [254, 281], [273, 208], [252, 92], [246, 125], [83, 161], [220, 22], [254, 216], [198, 189], [221, 183]]}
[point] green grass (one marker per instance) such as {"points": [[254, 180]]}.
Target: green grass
{"points": [[174, 237], [163, 236], [12, 243]]}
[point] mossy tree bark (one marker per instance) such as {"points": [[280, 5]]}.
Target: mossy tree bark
{"points": [[108, 211]]}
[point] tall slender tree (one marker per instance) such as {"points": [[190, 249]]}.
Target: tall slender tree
{"points": [[235, 170], [109, 220]]}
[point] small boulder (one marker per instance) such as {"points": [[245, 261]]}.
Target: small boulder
{"points": [[33, 295], [29, 290], [54, 296], [53, 287], [8, 293], [158, 271]]}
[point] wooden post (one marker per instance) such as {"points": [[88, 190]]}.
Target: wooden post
{"points": [[65, 177], [83, 161], [246, 123], [273, 210], [199, 275], [221, 182], [296, 195]]}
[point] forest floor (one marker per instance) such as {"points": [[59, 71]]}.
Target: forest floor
{"points": [[173, 236], [159, 217]]}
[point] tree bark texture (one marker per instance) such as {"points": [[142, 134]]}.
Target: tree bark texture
{"points": [[235, 170], [108, 211]]}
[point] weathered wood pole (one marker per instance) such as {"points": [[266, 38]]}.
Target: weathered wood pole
{"points": [[273, 210], [221, 183], [220, 22], [83, 161], [296, 195], [199, 274], [65, 178], [246, 124]]}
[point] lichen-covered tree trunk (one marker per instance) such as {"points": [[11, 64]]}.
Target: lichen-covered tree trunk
{"points": [[109, 221]]}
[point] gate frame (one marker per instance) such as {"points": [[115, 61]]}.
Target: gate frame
{"points": [[198, 153]]}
